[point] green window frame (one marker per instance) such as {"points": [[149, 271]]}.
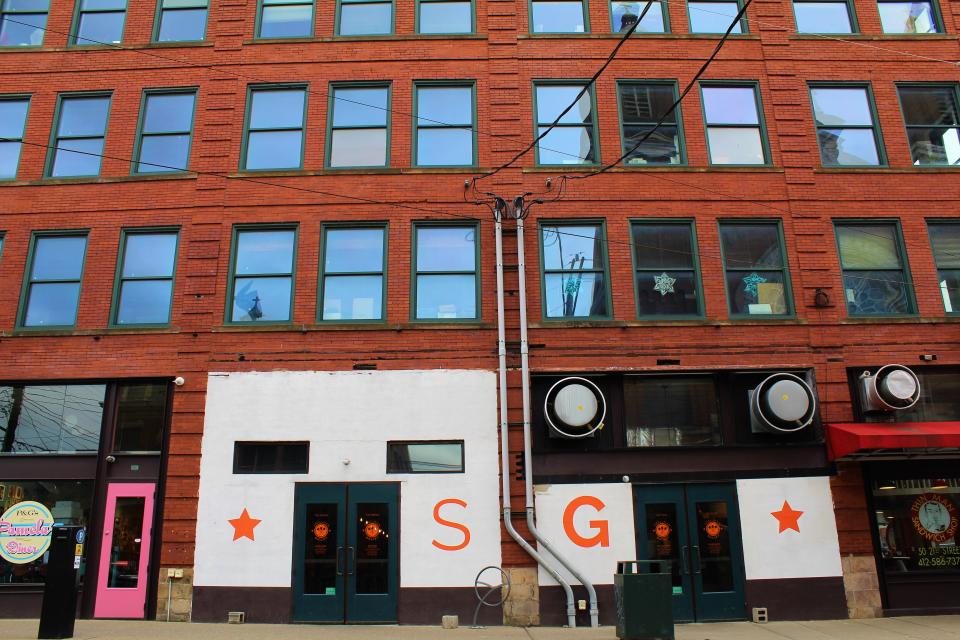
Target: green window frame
{"points": [[280, 6], [892, 11], [173, 12], [423, 272], [14, 109], [365, 275], [570, 278], [714, 127], [654, 259], [657, 19], [139, 279], [867, 282], [847, 127], [359, 5], [541, 9], [85, 143], [924, 128], [102, 9], [3, 238], [356, 109], [945, 245], [64, 284], [814, 12], [634, 129], [708, 10], [153, 136], [19, 27], [751, 281], [254, 131], [439, 123], [253, 295], [556, 138], [436, 9]]}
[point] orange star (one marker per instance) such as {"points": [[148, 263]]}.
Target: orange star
{"points": [[787, 517], [243, 526]]}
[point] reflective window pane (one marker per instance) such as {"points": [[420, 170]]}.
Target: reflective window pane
{"points": [[22, 29], [265, 252], [869, 246], [573, 247], [83, 116], [713, 17], [662, 147], [124, 567], [566, 145], [274, 150], [446, 248], [166, 113], [553, 99], [106, 5], [841, 106], [372, 568], [751, 246], [668, 292], [848, 147], [945, 240], [149, 255], [26, 5], [671, 412], [575, 295], [100, 28], [730, 105], [934, 145], [662, 246], [289, 21], [349, 250], [446, 17], [444, 147], [9, 159], [366, 19], [929, 105], [876, 292], [624, 14], [182, 25], [358, 148], [141, 414], [277, 109], [353, 297], [756, 293], [321, 553], [446, 297], [13, 117], [163, 153], [949, 285], [556, 17], [77, 157], [360, 107], [713, 537], [646, 103], [444, 105], [52, 418], [144, 302], [53, 304], [261, 299], [424, 457], [822, 17], [58, 258], [907, 17], [735, 145]]}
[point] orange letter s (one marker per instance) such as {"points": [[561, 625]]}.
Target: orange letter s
{"points": [[453, 525]]}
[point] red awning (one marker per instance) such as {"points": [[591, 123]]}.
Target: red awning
{"points": [[846, 439]]}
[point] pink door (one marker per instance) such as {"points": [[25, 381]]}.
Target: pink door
{"points": [[125, 551]]}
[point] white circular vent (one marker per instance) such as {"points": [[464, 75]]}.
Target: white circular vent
{"points": [[898, 386], [574, 407], [783, 403]]}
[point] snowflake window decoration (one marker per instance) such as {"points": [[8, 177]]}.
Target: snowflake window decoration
{"points": [[751, 281], [663, 284]]}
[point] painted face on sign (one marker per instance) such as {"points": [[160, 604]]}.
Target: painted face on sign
{"points": [[712, 529], [662, 530], [321, 530], [371, 530]]}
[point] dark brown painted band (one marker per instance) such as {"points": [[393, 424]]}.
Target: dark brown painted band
{"points": [[798, 598]]}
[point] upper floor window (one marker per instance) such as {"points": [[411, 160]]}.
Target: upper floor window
{"points": [[573, 139], [13, 121], [625, 13], [933, 123], [181, 20], [165, 130], [445, 16], [446, 283], [820, 16], [99, 22], [351, 277], [51, 418], [875, 280], [51, 290], [755, 269], [145, 278], [359, 127], [897, 16], [261, 274], [846, 130], [642, 105], [275, 123], [667, 271], [945, 238], [558, 16], [23, 22], [445, 132], [364, 17], [78, 135], [574, 267], [715, 16], [285, 19], [735, 132]]}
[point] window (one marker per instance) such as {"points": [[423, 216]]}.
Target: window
{"points": [[666, 269], [99, 21], [446, 281], [166, 124], [425, 457], [445, 132], [755, 269], [875, 281], [351, 275], [13, 121], [261, 275], [573, 263], [821, 16], [285, 19], [51, 290], [671, 411], [933, 123], [275, 122], [271, 457], [715, 16], [51, 418], [897, 16], [558, 16], [359, 127], [181, 20], [945, 238], [642, 104], [141, 416], [573, 139], [444, 16], [735, 132], [846, 128], [624, 14], [144, 286], [77, 140], [23, 22], [939, 397], [364, 17]]}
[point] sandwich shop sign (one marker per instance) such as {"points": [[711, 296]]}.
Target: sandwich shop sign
{"points": [[25, 532]]}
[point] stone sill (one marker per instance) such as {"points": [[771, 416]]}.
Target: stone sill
{"points": [[629, 324], [861, 36], [188, 175], [668, 168], [96, 334], [642, 36], [360, 326], [902, 320], [359, 171], [111, 47], [882, 170], [369, 38]]}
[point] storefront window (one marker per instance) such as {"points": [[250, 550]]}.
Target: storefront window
{"points": [[939, 400], [51, 418], [917, 523], [671, 411]]}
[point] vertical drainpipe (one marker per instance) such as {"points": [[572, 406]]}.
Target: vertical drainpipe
{"points": [[504, 431], [527, 448]]}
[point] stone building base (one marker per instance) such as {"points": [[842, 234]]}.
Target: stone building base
{"points": [[180, 591], [862, 586], [522, 608]]}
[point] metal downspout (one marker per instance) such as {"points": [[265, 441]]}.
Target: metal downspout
{"points": [[527, 447], [504, 433]]}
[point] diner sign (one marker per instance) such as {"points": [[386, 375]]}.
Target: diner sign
{"points": [[25, 530]]}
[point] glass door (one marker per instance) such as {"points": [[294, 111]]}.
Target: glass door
{"points": [[319, 562], [372, 578], [662, 536], [125, 551]]}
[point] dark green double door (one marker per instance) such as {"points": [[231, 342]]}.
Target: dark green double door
{"points": [[345, 544], [695, 530]]}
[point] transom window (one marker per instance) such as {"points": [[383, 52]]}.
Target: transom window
{"points": [[445, 134], [897, 16], [945, 239], [182, 20], [275, 123], [735, 133], [558, 16], [671, 411], [755, 269], [100, 22], [13, 121], [23, 22], [666, 269], [574, 267], [625, 13], [875, 280], [261, 275], [78, 136], [821, 16], [642, 104], [145, 277], [51, 291], [573, 139], [285, 19], [427, 456], [714, 16], [446, 281], [846, 131], [354, 262], [359, 129], [271, 457], [51, 418], [364, 17], [933, 123], [165, 132], [444, 16]]}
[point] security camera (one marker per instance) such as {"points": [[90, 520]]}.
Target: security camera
{"points": [[179, 381]]}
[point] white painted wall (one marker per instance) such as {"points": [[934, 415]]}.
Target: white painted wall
{"points": [[348, 416], [769, 553]]}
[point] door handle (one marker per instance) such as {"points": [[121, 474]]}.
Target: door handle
{"points": [[684, 562], [339, 568], [352, 563], [696, 553]]}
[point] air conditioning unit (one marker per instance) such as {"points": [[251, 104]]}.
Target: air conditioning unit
{"points": [[890, 388], [574, 407], [783, 403]]}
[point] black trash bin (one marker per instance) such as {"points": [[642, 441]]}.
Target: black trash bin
{"points": [[644, 601]]}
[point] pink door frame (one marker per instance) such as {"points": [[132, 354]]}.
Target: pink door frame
{"points": [[122, 602]]}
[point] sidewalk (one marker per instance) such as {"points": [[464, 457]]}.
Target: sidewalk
{"points": [[910, 628]]}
